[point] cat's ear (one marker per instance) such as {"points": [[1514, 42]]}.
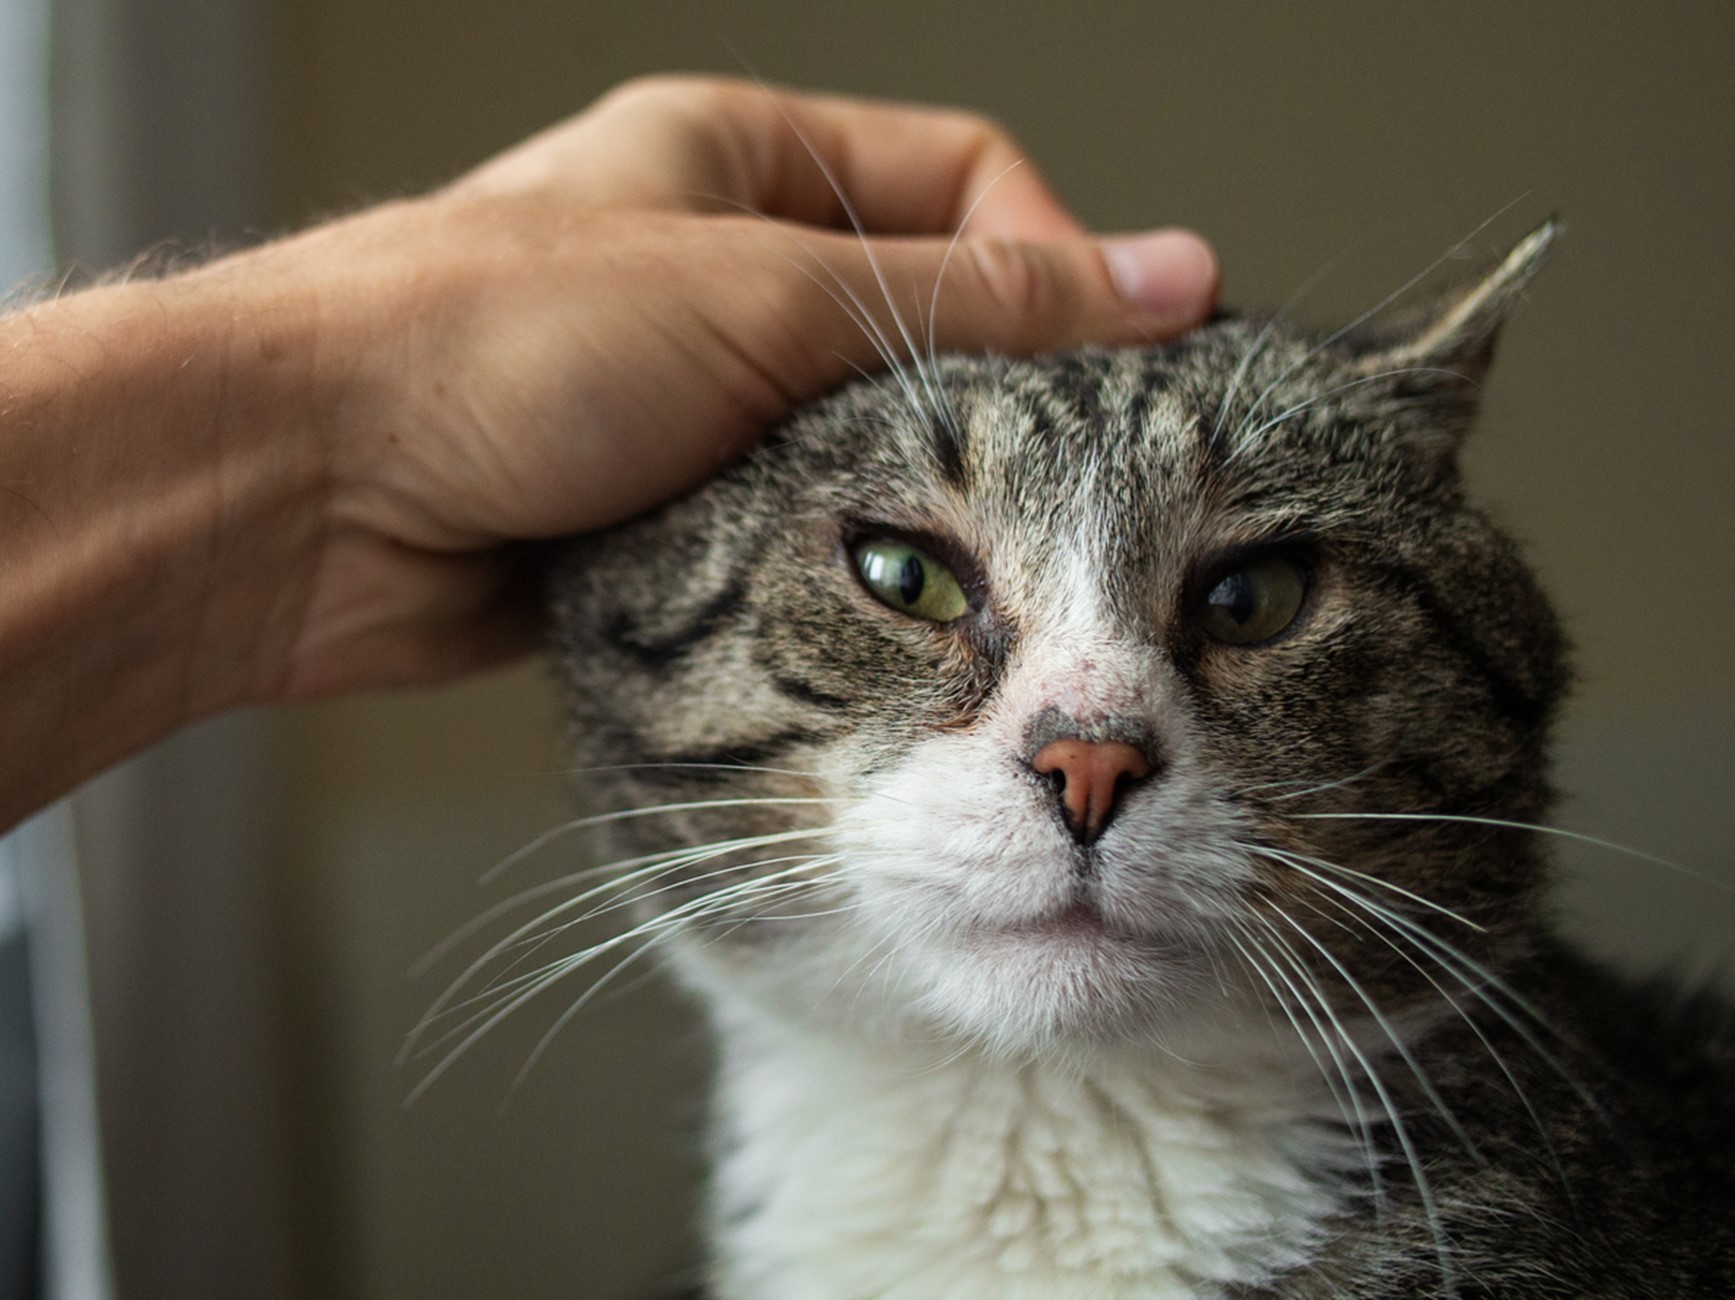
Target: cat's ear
{"points": [[1456, 332], [1436, 356]]}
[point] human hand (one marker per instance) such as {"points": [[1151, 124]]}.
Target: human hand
{"points": [[600, 318], [313, 467]]}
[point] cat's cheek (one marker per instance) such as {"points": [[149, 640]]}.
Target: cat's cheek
{"points": [[955, 840]]}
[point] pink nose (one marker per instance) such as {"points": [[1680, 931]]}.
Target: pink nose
{"points": [[1091, 775]]}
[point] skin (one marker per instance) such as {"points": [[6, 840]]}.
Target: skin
{"points": [[322, 465]]}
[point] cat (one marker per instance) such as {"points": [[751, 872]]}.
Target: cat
{"points": [[1095, 799]]}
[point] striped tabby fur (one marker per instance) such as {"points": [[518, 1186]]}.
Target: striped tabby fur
{"points": [[1293, 1023]]}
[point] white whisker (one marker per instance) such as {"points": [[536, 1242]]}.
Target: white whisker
{"points": [[1400, 1130], [1373, 311], [535, 982], [627, 814], [1348, 1100], [658, 866], [1245, 440], [1259, 340], [1502, 823], [1298, 859]]}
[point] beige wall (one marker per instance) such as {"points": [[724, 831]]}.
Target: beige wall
{"points": [[1293, 135]]}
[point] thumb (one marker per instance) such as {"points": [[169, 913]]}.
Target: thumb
{"points": [[1022, 297]]}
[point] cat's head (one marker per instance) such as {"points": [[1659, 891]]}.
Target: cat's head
{"points": [[1062, 700]]}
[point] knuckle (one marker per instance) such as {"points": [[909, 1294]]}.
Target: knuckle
{"points": [[976, 129], [982, 137], [672, 94], [1018, 281]]}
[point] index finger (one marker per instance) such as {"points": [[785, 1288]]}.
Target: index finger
{"points": [[905, 170]]}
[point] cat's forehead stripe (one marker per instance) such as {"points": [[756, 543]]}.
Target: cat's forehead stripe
{"points": [[946, 434]]}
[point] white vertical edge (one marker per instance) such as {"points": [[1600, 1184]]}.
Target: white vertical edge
{"points": [[76, 1263], [158, 138], [25, 246], [38, 860]]}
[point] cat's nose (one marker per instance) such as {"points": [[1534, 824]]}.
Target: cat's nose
{"points": [[1091, 776]]}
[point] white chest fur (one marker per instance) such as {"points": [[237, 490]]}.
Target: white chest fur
{"points": [[849, 1173]]}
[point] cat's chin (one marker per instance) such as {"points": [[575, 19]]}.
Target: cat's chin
{"points": [[1041, 984]]}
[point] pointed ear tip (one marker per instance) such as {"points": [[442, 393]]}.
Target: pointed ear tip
{"points": [[1530, 250]]}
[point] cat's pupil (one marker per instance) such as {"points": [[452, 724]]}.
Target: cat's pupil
{"points": [[1256, 601], [910, 579], [1235, 597]]}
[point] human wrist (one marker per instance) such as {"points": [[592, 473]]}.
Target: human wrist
{"points": [[162, 505]]}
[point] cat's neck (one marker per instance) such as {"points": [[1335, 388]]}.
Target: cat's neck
{"points": [[857, 1171]]}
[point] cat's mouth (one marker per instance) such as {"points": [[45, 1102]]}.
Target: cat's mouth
{"points": [[1079, 920], [1078, 915]]}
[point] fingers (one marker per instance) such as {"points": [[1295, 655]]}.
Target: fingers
{"points": [[906, 170], [1024, 276], [1012, 296], [696, 144]]}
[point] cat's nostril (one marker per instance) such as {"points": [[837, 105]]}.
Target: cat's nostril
{"points": [[1091, 776]]}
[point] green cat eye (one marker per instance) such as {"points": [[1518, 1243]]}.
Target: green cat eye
{"points": [[1255, 600], [910, 581]]}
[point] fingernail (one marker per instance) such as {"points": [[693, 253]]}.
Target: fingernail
{"points": [[1171, 273]]}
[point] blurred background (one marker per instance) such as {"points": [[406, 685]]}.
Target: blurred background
{"points": [[256, 891]]}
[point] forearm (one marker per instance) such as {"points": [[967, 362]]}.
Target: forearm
{"points": [[161, 475]]}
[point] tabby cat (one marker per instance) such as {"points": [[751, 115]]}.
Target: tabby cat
{"points": [[1093, 798]]}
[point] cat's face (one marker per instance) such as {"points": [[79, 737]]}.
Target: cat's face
{"points": [[1056, 695]]}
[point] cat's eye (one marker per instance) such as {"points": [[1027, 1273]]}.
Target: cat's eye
{"points": [[909, 580], [1256, 600]]}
